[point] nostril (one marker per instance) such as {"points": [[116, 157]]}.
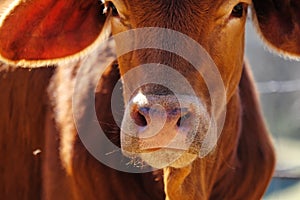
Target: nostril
{"points": [[183, 119], [139, 118]]}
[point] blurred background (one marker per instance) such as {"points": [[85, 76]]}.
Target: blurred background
{"points": [[278, 81]]}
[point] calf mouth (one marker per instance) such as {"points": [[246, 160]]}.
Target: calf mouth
{"points": [[164, 157]]}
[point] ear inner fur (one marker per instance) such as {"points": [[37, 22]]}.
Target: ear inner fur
{"points": [[57, 29]]}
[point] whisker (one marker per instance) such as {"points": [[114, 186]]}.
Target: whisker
{"points": [[113, 151]]}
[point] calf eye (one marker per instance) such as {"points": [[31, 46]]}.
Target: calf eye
{"points": [[238, 10], [111, 8]]}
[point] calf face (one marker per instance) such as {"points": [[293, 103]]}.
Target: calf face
{"points": [[156, 126], [35, 33]]}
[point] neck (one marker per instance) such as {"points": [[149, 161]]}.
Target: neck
{"points": [[241, 165], [197, 180]]}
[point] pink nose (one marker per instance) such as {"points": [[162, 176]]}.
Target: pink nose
{"points": [[144, 115], [164, 116], [168, 125]]}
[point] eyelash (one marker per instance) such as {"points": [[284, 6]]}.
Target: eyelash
{"points": [[238, 10]]}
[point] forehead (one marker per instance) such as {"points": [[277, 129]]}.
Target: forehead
{"points": [[162, 12], [181, 9], [170, 5]]}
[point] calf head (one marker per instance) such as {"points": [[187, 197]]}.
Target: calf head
{"points": [[158, 123], [170, 128]]}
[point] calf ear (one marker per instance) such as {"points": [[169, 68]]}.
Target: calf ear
{"points": [[43, 30], [279, 23]]}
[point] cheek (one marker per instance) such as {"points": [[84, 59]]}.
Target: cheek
{"points": [[125, 63], [229, 59], [117, 26]]}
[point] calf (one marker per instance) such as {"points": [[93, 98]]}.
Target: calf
{"points": [[209, 137]]}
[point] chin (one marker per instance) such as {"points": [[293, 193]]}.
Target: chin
{"points": [[162, 158]]}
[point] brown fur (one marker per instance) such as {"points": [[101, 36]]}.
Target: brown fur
{"points": [[84, 177], [241, 165], [48, 175], [239, 159], [279, 24], [22, 121]]}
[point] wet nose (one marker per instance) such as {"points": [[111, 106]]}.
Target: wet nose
{"points": [[160, 115], [146, 115], [153, 122]]}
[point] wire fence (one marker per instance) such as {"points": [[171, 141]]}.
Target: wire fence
{"points": [[272, 87], [278, 86], [292, 173]]}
